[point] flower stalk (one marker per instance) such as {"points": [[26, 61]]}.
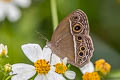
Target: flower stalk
{"points": [[54, 14], [114, 75]]}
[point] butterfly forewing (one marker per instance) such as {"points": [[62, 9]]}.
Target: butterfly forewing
{"points": [[61, 42]]}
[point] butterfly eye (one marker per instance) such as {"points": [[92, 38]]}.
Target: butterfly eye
{"points": [[82, 48], [77, 28], [81, 53], [75, 17], [79, 60], [79, 38]]}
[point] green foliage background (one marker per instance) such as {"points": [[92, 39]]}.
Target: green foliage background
{"points": [[104, 20]]}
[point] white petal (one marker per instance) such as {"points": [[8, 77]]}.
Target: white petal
{"points": [[47, 53], [52, 68], [87, 68], [32, 51], [55, 59], [70, 74], [13, 13], [1, 47], [40, 77], [2, 11], [6, 49], [65, 60], [22, 71], [54, 76], [18, 77], [23, 3]]}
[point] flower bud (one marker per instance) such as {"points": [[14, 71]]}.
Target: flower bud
{"points": [[7, 67], [3, 50]]}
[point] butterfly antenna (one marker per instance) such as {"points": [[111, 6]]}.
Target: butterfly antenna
{"points": [[41, 36]]}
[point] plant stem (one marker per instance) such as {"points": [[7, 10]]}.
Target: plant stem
{"points": [[8, 77], [5, 75], [54, 14], [114, 75]]}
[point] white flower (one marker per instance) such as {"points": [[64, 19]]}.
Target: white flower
{"points": [[61, 68], [3, 50], [9, 8], [87, 68], [41, 59]]}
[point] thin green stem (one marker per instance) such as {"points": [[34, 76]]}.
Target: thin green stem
{"points": [[3, 78], [5, 75], [8, 77], [54, 14], [113, 75]]}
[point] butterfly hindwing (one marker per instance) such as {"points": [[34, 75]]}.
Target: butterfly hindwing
{"points": [[71, 39], [83, 45]]}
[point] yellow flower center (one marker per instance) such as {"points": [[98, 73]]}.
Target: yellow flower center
{"points": [[60, 68], [3, 52], [42, 66], [6, 1], [102, 66], [91, 76]]}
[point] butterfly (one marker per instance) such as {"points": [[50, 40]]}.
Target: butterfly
{"points": [[71, 39]]}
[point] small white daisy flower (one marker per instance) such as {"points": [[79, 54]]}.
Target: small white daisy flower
{"points": [[9, 8], [61, 68], [42, 66], [89, 67], [3, 50]]}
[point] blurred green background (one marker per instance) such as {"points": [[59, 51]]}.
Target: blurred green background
{"points": [[36, 22]]}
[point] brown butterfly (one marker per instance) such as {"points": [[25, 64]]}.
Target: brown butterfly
{"points": [[71, 39]]}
